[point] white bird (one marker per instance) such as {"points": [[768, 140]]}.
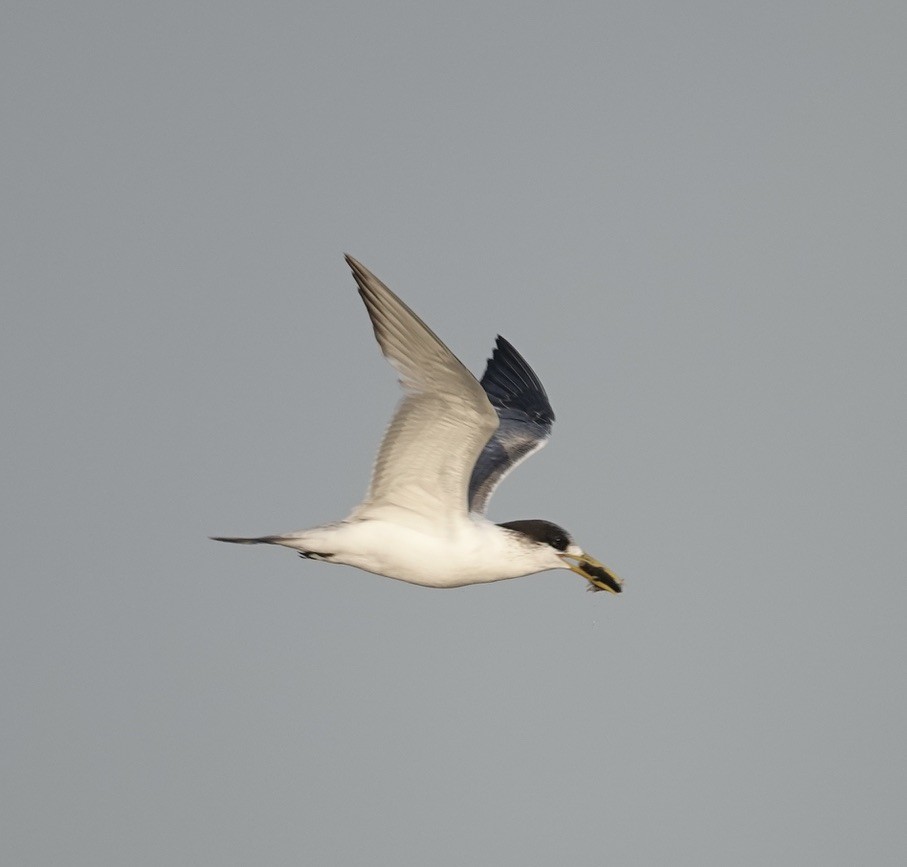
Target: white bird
{"points": [[451, 441]]}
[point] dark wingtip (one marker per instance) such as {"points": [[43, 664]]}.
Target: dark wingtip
{"points": [[511, 383], [359, 272]]}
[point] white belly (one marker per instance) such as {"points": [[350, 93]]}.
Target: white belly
{"points": [[473, 552]]}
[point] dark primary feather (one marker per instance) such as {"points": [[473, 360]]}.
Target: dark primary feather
{"points": [[525, 418]]}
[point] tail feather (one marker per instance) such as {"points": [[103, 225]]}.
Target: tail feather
{"points": [[306, 541], [254, 540]]}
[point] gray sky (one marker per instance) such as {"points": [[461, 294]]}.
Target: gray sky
{"points": [[690, 219]]}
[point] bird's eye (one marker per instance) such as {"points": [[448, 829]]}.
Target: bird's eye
{"points": [[560, 543]]}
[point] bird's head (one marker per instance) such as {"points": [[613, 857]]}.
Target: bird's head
{"points": [[567, 554]]}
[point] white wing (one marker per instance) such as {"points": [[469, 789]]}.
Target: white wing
{"points": [[440, 427]]}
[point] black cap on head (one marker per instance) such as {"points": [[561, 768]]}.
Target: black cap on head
{"points": [[540, 531]]}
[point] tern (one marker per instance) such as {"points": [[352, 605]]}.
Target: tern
{"points": [[451, 441]]}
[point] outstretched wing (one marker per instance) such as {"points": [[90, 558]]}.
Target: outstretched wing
{"points": [[525, 418], [439, 428]]}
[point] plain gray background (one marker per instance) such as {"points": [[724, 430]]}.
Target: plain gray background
{"points": [[688, 216]]}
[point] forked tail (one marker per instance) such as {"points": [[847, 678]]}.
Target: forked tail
{"points": [[307, 542], [256, 540]]}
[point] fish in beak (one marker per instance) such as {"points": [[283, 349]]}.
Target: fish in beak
{"points": [[598, 576]]}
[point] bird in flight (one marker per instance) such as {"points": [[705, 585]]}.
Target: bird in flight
{"points": [[451, 441]]}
